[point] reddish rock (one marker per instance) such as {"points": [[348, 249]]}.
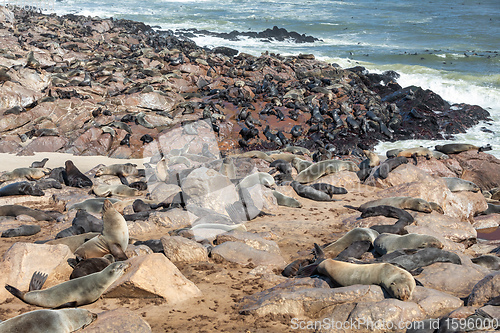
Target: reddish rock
{"points": [[480, 168], [44, 143]]}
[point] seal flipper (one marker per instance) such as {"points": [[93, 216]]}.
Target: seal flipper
{"points": [[117, 252], [123, 179], [71, 304], [311, 269], [485, 148], [37, 281], [14, 291]]}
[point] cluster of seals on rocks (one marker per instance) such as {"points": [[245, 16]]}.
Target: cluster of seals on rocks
{"points": [[82, 223], [43, 321], [76, 292], [333, 249]]}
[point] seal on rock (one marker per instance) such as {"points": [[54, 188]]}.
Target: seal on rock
{"points": [[488, 261], [396, 281], [114, 238], [76, 292], [455, 148], [416, 204], [21, 188], [456, 184], [404, 219], [124, 170], [390, 164], [322, 168], [372, 160], [23, 230], [28, 173], [300, 164], [74, 177], [309, 192], [357, 234], [118, 189], [286, 201], [387, 243], [43, 321], [412, 259]]}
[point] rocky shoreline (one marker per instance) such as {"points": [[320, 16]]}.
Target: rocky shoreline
{"points": [[248, 163], [88, 86]]}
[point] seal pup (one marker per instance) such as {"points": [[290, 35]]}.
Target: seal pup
{"points": [[396, 281], [76, 292], [387, 243], [309, 192], [323, 168], [114, 238], [355, 250], [21, 188], [43, 321], [416, 204], [390, 164], [23, 230], [287, 201], [329, 189], [74, 177], [333, 249], [372, 160], [404, 219], [28, 173], [39, 164], [91, 265], [456, 184]]}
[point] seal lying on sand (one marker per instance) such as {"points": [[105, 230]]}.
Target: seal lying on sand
{"points": [[27, 173], [43, 321], [16, 210], [124, 170], [309, 192], [21, 188], [417, 204], [76, 292]]}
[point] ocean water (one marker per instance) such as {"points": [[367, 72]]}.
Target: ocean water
{"points": [[450, 47]]}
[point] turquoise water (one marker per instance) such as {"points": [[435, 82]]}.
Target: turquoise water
{"points": [[449, 47]]}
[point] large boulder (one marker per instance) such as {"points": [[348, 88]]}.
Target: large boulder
{"points": [[151, 276], [244, 254], [182, 250], [118, 321], [23, 259], [482, 169]]}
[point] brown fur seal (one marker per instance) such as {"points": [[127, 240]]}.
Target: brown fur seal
{"points": [[404, 219], [119, 189], [418, 151], [124, 170], [16, 210], [455, 184], [262, 178], [419, 205], [309, 192], [21, 188], [23, 230], [74, 242], [387, 243], [455, 148], [94, 205], [27, 173], [332, 250], [287, 201], [300, 164], [322, 168], [92, 265], [372, 160], [54, 321], [114, 238], [74, 177], [412, 259], [390, 164], [398, 282], [76, 292], [39, 164]]}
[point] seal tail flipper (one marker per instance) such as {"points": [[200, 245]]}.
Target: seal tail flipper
{"points": [[311, 269], [485, 148], [14, 291], [37, 281]]}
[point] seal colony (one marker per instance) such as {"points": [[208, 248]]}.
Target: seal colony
{"points": [[291, 131]]}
